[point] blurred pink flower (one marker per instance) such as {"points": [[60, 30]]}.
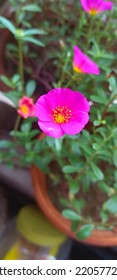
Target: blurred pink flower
{"points": [[94, 7], [83, 64], [62, 111], [26, 107]]}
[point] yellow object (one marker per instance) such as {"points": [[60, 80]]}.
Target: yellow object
{"points": [[34, 226], [12, 253]]}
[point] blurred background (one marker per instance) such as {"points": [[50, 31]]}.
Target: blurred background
{"points": [[25, 233]]}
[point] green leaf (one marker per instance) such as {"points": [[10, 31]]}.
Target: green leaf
{"points": [[33, 133], [7, 81], [39, 163], [14, 96], [97, 171], [32, 8], [78, 204], [85, 231], [92, 177], [74, 188], [103, 186], [71, 215], [70, 169], [8, 24], [99, 99], [103, 216], [113, 108], [115, 175], [113, 83], [23, 135], [115, 157], [12, 48], [86, 149], [58, 144], [64, 202], [34, 41], [74, 226], [25, 127], [96, 123], [16, 79], [25, 23], [6, 144], [34, 32], [95, 48], [95, 146], [111, 204], [30, 87]]}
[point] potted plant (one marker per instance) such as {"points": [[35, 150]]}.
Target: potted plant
{"points": [[77, 114]]}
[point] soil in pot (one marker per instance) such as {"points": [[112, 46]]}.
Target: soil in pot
{"points": [[87, 203]]}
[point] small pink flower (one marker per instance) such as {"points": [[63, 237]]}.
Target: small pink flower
{"points": [[94, 7], [83, 64], [62, 111], [26, 107]]}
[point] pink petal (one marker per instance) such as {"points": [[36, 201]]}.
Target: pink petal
{"points": [[32, 111], [51, 129], [75, 125], [25, 100], [88, 4], [81, 103], [42, 111], [81, 117], [89, 66], [60, 97], [78, 57], [83, 62], [99, 5], [74, 101], [105, 6]]}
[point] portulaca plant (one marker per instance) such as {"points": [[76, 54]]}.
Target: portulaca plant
{"points": [[77, 112]]}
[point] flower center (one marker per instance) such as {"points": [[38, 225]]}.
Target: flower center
{"points": [[93, 12], [61, 114], [24, 109], [77, 69]]}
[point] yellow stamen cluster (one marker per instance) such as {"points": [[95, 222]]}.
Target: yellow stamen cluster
{"points": [[61, 114], [77, 69], [93, 12], [24, 109]]}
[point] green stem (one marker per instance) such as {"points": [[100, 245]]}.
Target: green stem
{"points": [[108, 105], [17, 123], [21, 66], [90, 31], [98, 31], [70, 81], [63, 71], [73, 78], [21, 73]]}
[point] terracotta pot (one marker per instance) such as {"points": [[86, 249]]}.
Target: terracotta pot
{"points": [[97, 238]]}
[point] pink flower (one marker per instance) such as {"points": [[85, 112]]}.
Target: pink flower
{"points": [[62, 111], [26, 107], [94, 7], [83, 64]]}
